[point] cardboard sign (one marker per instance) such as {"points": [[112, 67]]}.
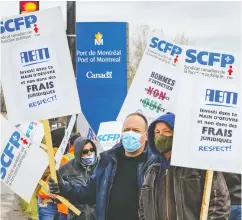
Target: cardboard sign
{"points": [[37, 72], [22, 161], [154, 87], [33, 130], [62, 148], [207, 126], [109, 134]]}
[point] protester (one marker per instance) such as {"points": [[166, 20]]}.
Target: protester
{"points": [[115, 184], [79, 170], [175, 193], [47, 208], [69, 155], [233, 181]]}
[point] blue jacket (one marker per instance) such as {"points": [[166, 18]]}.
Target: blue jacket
{"points": [[98, 187]]}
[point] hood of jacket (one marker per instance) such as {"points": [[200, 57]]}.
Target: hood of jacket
{"points": [[78, 147], [169, 119]]}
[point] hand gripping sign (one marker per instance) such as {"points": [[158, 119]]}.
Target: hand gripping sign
{"points": [[22, 161]]}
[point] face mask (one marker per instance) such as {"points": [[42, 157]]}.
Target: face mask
{"points": [[163, 143], [89, 160], [131, 141]]}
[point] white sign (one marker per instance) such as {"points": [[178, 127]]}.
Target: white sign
{"points": [[86, 131], [109, 134], [33, 130], [37, 72], [207, 126], [22, 161], [210, 64], [62, 148], [154, 87]]}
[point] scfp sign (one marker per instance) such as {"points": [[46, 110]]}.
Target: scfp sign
{"points": [[208, 58], [164, 46], [16, 24]]}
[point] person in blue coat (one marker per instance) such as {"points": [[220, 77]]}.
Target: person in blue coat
{"points": [[116, 182]]}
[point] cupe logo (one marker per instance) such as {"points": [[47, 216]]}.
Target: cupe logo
{"points": [[16, 24]]}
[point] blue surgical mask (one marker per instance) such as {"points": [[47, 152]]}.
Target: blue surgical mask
{"points": [[89, 160], [131, 141]]}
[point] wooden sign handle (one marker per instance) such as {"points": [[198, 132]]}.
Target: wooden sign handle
{"points": [[50, 149], [206, 195], [61, 199]]}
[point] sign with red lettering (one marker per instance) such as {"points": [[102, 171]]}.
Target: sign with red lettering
{"points": [[153, 90], [23, 162], [37, 73]]}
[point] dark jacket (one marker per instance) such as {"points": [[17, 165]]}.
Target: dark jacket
{"points": [[233, 181], [78, 173], [99, 185], [183, 189]]}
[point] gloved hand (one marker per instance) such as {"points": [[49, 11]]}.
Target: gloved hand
{"points": [[56, 188]]}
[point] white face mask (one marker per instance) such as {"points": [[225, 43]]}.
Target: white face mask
{"points": [[88, 160]]}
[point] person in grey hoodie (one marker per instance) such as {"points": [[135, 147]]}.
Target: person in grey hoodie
{"points": [[78, 171]]}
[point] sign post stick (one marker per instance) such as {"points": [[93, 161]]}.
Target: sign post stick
{"points": [[206, 195]]}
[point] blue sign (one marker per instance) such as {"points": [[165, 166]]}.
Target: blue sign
{"points": [[101, 69]]}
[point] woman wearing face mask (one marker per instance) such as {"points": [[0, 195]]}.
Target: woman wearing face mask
{"points": [[78, 170], [171, 193]]}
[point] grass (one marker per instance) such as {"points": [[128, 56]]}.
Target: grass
{"points": [[31, 208]]}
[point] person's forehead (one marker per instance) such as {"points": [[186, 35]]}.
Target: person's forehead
{"points": [[87, 145], [161, 125], [134, 121]]}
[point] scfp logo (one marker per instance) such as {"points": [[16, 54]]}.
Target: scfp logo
{"points": [[15, 24], [221, 98], [35, 56], [8, 153], [208, 58], [165, 47], [108, 137]]}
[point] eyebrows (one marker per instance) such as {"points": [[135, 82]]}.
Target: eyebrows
{"points": [[164, 130], [136, 129]]}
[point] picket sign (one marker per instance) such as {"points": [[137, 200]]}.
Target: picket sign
{"points": [[52, 164], [206, 195], [62, 148], [63, 200], [50, 149]]}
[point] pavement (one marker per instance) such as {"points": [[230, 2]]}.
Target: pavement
{"points": [[10, 208]]}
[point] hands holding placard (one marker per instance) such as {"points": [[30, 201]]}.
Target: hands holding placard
{"points": [[56, 188]]}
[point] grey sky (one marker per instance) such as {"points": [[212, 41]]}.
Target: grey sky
{"points": [[211, 25]]}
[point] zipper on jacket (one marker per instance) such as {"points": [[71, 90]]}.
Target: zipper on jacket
{"points": [[177, 216], [167, 199], [114, 172]]}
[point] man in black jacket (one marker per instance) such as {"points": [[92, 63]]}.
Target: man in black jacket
{"points": [[78, 171], [233, 181], [171, 193]]}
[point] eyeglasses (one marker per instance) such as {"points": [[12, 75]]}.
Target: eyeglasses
{"points": [[86, 151]]}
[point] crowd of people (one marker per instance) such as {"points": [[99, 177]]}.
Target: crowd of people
{"points": [[134, 179]]}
